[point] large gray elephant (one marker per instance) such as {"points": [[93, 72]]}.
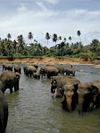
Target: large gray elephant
{"points": [[17, 68], [49, 70], [88, 95], [70, 97], [59, 81], [29, 70], [9, 79], [60, 68], [7, 67], [3, 111], [69, 71]]}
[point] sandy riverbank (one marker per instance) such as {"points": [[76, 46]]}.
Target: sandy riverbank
{"points": [[49, 60]]}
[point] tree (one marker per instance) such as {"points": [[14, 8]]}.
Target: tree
{"points": [[70, 38], [79, 34], [21, 42], [30, 36], [55, 40], [65, 39], [9, 36], [47, 36], [94, 46]]}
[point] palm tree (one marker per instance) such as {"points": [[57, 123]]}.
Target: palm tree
{"points": [[60, 38], [55, 40], [47, 36], [9, 36], [20, 41], [30, 36], [65, 39], [79, 33], [70, 38]]}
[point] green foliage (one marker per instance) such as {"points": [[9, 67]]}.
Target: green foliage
{"points": [[18, 49]]}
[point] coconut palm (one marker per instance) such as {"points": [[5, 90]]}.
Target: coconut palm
{"points": [[64, 39], [30, 36], [55, 40], [79, 33], [70, 38], [47, 36], [9, 36], [20, 42]]}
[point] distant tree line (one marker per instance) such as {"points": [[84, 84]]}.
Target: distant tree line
{"points": [[62, 47]]}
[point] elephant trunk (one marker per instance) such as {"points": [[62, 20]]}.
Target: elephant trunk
{"points": [[80, 102], [69, 103], [52, 89]]}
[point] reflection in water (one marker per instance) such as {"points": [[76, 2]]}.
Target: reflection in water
{"points": [[34, 109]]}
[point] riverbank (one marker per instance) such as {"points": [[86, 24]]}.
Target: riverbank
{"points": [[50, 60]]}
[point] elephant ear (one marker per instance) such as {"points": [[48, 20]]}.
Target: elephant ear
{"points": [[95, 92], [17, 75]]}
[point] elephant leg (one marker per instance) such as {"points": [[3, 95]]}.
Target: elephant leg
{"points": [[48, 75], [16, 86], [6, 117], [11, 90], [2, 125]]}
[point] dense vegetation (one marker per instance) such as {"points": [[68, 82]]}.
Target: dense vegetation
{"points": [[18, 48]]}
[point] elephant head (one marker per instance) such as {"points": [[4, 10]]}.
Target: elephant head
{"points": [[53, 85], [87, 96], [69, 96], [43, 70], [17, 78]]}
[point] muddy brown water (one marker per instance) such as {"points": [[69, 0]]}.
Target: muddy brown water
{"points": [[33, 109]]}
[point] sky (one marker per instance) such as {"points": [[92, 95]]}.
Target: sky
{"points": [[62, 17]]}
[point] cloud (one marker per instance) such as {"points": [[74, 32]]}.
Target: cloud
{"points": [[22, 7], [52, 1], [40, 4], [64, 23]]}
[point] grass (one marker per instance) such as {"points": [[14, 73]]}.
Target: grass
{"points": [[8, 62]]}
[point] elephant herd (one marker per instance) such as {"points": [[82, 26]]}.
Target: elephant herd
{"points": [[70, 89], [73, 93]]}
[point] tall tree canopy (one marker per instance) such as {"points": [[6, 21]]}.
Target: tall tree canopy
{"points": [[30, 36]]}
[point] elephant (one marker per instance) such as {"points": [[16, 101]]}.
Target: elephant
{"points": [[36, 75], [9, 79], [29, 70], [24, 68], [49, 70], [70, 97], [61, 69], [69, 71], [17, 68], [35, 65], [8, 67], [88, 96], [3, 66], [59, 81], [3, 112]]}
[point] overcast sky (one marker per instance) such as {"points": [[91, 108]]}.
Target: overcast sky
{"points": [[63, 17]]}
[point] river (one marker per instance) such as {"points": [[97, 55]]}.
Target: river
{"points": [[33, 109]]}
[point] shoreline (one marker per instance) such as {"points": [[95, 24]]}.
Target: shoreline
{"points": [[49, 60]]}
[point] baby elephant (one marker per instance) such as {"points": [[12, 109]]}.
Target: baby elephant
{"points": [[3, 112], [36, 75]]}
